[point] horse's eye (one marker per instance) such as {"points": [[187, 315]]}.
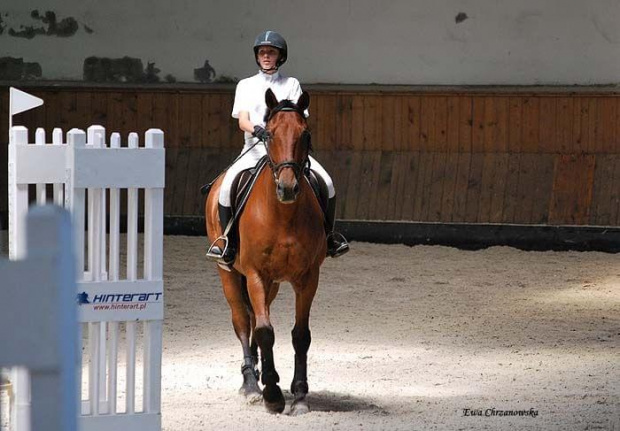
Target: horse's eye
{"points": [[306, 139]]}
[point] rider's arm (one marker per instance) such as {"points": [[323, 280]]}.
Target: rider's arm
{"points": [[244, 122]]}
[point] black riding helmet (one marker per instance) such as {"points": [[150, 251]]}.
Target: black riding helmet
{"points": [[271, 38]]}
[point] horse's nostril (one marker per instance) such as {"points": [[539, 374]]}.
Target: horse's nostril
{"points": [[296, 189]]}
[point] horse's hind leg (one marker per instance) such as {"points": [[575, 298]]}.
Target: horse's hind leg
{"points": [[236, 295], [304, 295], [261, 295]]}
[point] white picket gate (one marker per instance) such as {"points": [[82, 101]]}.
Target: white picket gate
{"points": [[121, 308], [38, 314]]}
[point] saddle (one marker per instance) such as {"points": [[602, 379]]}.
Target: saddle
{"points": [[244, 182]]}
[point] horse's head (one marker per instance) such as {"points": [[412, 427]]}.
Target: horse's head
{"points": [[289, 144]]}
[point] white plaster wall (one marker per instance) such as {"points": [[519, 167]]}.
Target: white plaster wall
{"points": [[416, 42]]}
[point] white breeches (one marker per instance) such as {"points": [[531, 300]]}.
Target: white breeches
{"points": [[250, 159]]}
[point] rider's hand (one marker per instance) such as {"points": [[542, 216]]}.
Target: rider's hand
{"points": [[260, 133]]}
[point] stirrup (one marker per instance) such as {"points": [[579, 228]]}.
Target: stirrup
{"points": [[341, 241], [217, 254]]}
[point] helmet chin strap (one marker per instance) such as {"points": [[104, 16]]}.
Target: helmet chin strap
{"points": [[268, 70]]}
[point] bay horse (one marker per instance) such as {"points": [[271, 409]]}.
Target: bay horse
{"points": [[281, 239]]}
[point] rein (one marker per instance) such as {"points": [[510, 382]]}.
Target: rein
{"points": [[288, 106]]}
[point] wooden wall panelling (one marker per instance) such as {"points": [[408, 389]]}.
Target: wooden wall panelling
{"points": [[53, 115], [466, 123], [438, 184], [355, 170], [411, 167], [511, 190], [479, 124], [498, 197], [192, 119], [427, 118], [580, 125], [606, 122], [449, 187], [384, 180], [144, 107], [68, 110], [541, 192], [180, 180], [547, 124], [499, 130], [399, 123], [487, 188], [129, 120], [115, 114], [357, 122], [368, 180], [344, 122], [592, 126], [440, 135], [165, 116], [422, 186], [386, 126], [572, 189], [371, 125], [602, 190], [396, 191], [474, 187], [83, 102], [525, 189], [340, 173], [615, 192], [564, 121], [413, 120], [515, 124], [171, 167], [460, 188], [531, 127], [327, 138], [99, 108], [453, 124]]}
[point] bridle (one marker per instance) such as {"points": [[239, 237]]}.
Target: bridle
{"points": [[305, 139]]}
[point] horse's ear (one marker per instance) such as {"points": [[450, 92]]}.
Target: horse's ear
{"points": [[304, 101], [270, 99]]}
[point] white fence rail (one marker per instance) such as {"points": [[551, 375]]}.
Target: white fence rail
{"points": [[121, 302], [37, 312]]}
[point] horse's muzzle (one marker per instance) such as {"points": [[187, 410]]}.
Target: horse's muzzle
{"points": [[287, 194]]}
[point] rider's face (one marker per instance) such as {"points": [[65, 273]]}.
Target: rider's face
{"points": [[268, 57]]}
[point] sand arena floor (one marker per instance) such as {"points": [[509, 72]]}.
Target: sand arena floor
{"points": [[409, 338]]}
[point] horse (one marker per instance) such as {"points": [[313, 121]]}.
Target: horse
{"points": [[281, 238]]}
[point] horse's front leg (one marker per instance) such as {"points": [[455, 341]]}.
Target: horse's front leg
{"points": [[261, 295], [304, 295], [236, 295]]}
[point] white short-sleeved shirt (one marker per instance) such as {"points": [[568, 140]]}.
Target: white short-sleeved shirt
{"points": [[250, 96]]}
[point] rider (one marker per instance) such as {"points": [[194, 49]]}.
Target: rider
{"points": [[270, 52]]}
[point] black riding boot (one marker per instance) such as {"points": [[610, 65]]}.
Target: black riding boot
{"points": [[229, 242], [337, 244]]}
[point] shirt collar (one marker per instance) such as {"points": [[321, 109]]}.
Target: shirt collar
{"points": [[269, 78]]}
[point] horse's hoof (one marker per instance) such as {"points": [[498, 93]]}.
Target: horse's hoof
{"points": [[299, 407], [252, 395], [274, 399]]}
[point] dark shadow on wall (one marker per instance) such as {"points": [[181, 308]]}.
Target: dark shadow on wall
{"points": [[16, 69]]}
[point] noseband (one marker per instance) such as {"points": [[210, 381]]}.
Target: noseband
{"points": [[288, 106]]}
